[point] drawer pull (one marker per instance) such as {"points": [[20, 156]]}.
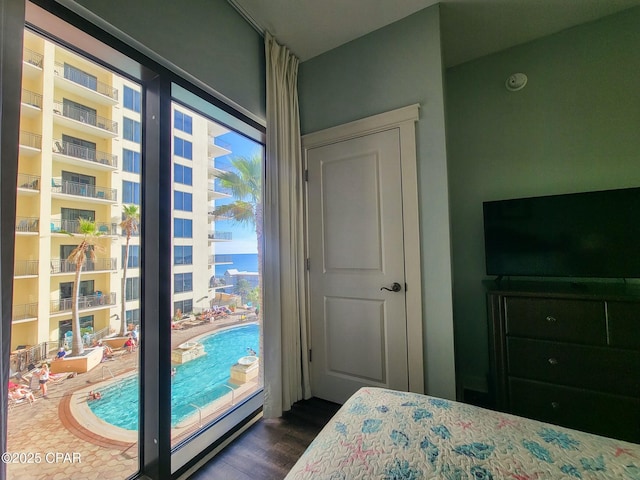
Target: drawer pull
{"points": [[553, 361], [555, 405], [551, 319]]}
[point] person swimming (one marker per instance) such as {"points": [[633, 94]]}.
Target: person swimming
{"points": [[94, 395]]}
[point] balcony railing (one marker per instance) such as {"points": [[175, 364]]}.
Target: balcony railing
{"points": [[81, 115], [29, 182], [27, 224], [99, 264], [25, 311], [84, 153], [84, 302], [73, 226], [23, 268], [223, 258], [220, 235], [31, 98], [34, 58], [28, 139], [76, 75], [83, 190]]}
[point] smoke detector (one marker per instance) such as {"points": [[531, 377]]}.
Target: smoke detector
{"points": [[516, 82]]}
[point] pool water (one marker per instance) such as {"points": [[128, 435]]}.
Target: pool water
{"points": [[198, 382]]}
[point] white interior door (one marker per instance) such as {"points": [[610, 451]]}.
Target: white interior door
{"points": [[356, 250]]}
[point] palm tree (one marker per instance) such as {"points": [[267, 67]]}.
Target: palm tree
{"points": [[245, 185], [129, 225], [78, 256]]}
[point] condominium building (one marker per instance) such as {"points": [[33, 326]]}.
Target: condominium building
{"points": [[79, 157], [194, 195]]}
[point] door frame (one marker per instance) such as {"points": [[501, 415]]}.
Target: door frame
{"points": [[404, 120]]}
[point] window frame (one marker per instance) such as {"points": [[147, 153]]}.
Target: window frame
{"points": [[133, 128], [134, 161], [161, 83], [136, 99]]}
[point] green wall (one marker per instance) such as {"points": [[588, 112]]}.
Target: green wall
{"points": [[206, 38], [574, 127], [395, 66]]}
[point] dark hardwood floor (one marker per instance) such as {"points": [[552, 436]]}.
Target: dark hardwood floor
{"points": [[269, 448]]}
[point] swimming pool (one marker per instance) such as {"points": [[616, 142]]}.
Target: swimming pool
{"points": [[198, 382]]}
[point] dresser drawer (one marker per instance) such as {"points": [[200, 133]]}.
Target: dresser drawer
{"points": [[608, 415], [578, 321], [596, 368], [624, 324]]}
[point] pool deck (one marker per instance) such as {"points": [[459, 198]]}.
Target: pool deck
{"points": [[61, 424]]}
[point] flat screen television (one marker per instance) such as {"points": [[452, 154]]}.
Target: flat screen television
{"points": [[591, 234]]}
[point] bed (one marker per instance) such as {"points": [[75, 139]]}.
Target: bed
{"points": [[385, 434]]}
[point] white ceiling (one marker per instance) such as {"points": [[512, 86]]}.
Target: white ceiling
{"points": [[470, 28]]}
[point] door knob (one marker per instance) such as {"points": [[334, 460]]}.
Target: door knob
{"points": [[396, 287]]}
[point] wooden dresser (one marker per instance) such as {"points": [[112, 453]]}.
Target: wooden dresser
{"points": [[567, 354]]}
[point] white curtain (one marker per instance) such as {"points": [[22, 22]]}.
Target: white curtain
{"points": [[285, 347]]}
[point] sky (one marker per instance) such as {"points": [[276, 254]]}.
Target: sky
{"points": [[244, 236]]}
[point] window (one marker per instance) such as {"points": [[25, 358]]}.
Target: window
{"points": [[182, 201], [134, 256], [182, 174], [182, 121], [130, 161], [182, 282], [78, 178], [132, 99], [133, 316], [65, 330], [182, 433], [82, 78], [182, 228], [183, 255], [183, 306], [182, 148], [132, 289], [79, 112], [131, 130], [79, 148], [130, 192]]}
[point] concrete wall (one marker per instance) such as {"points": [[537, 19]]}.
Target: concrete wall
{"points": [[573, 128], [206, 38], [395, 66]]}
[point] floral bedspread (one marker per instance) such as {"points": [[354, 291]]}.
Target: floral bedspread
{"points": [[384, 434]]}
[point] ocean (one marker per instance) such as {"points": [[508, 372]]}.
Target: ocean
{"points": [[243, 262]]}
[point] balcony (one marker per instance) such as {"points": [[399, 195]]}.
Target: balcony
{"points": [[83, 156], [222, 259], [85, 302], [86, 192], [25, 313], [73, 226], [32, 63], [81, 83], [31, 103], [84, 121], [213, 170], [214, 194], [219, 236], [27, 225], [30, 143], [25, 268], [28, 184], [215, 151], [63, 266]]}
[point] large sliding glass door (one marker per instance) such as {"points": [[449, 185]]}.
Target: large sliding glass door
{"points": [[216, 273]]}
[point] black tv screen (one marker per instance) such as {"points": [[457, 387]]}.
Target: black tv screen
{"points": [[591, 234]]}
